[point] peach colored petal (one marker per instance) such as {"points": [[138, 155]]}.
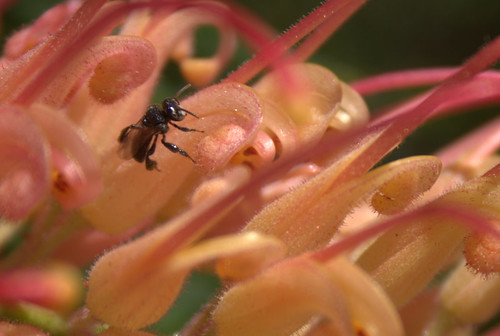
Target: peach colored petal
{"points": [[237, 113], [77, 177], [124, 64], [259, 152], [180, 25], [24, 168], [419, 313], [87, 245], [353, 112], [472, 298], [115, 64], [313, 106], [371, 310], [423, 245], [128, 273], [281, 300], [232, 178], [427, 240], [418, 176], [158, 262], [280, 127], [132, 194], [305, 218], [165, 276], [239, 256], [204, 71]]}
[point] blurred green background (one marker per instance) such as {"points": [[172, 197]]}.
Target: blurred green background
{"points": [[385, 35]]}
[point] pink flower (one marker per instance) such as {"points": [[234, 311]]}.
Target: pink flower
{"points": [[282, 198]]}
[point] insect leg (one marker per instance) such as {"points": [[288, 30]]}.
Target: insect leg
{"points": [[151, 164], [185, 129], [174, 149]]}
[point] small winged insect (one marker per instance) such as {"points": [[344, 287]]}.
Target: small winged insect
{"points": [[138, 141]]}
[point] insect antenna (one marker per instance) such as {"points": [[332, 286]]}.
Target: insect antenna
{"points": [[182, 90], [191, 113]]}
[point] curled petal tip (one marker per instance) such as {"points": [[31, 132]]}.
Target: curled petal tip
{"points": [[232, 113], [200, 72], [482, 252], [129, 62]]}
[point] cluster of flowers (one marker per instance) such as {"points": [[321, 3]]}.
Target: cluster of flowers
{"points": [[284, 203]]}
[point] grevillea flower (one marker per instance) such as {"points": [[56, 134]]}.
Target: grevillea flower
{"points": [[285, 199]]}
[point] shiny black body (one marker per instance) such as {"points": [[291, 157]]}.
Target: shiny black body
{"points": [[138, 141]]}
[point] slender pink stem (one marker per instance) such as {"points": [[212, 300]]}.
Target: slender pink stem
{"points": [[471, 220], [111, 16], [401, 79], [325, 30], [397, 129], [479, 62], [475, 147], [408, 79], [475, 92], [61, 39], [275, 51]]}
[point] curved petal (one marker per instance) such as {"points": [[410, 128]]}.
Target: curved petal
{"points": [[239, 256], [229, 116], [312, 106], [470, 297], [77, 178], [116, 64], [426, 240], [24, 168], [182, 23], [368, 305], [24, 78], [305, 219], [129, 272], [414, 176], [281, 300], [204, 71], [234, 113], [159, 262]]}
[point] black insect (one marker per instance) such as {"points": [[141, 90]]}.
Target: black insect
{"points": [[138, 140]]}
